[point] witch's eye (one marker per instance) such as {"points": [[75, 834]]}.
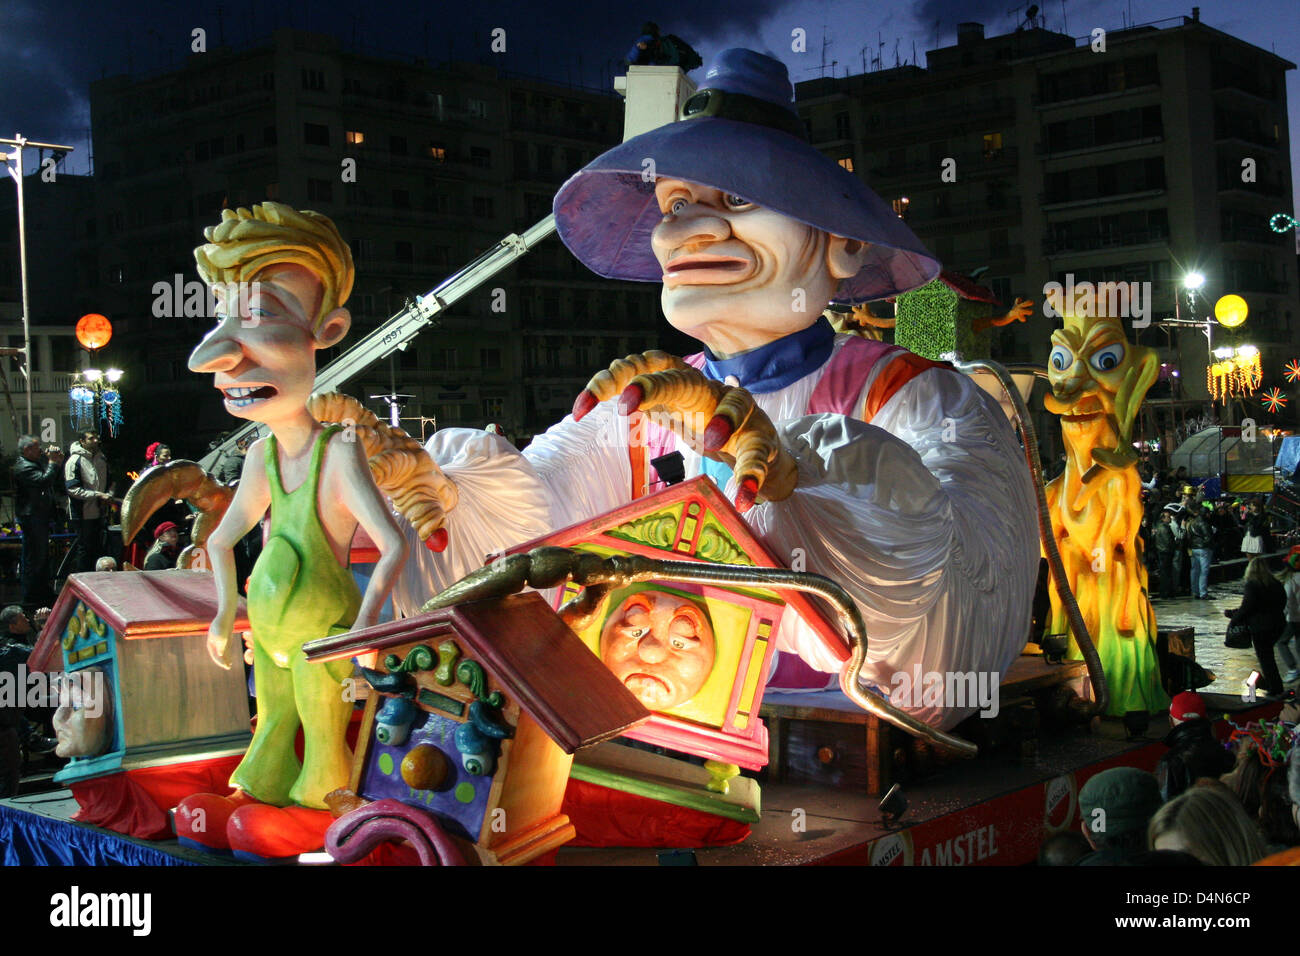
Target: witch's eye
{"points": [[736, 202], [1107, 359], [1061, 358]]}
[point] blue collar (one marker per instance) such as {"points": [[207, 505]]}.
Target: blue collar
{"points": [[771, 367]]}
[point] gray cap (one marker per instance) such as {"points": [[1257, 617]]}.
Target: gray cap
{"points": [[1129, 797]]}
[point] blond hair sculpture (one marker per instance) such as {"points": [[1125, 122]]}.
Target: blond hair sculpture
{"points": [[247, 241]]}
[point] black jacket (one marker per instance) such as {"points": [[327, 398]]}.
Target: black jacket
{"points": [[35, 485], [1263, 608], [1193, 753], [1200, 535]]}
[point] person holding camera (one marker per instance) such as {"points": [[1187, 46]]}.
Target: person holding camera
{"points": [[85, 476], [38, 482]]}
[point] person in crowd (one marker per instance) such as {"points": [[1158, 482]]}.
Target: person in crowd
{"points": [[20, 727], [1227, 531], [231, 465], [85, 476], [1165, 545], [1179, 527], [106, 563], [1263, 610], [157, 454], [39, 617], [1208, 822], [1194, 752], [1258, 779], [1199, 537], [38, 481], [1288, 645], [1259, 532], [166, 547], [1063, 849], [1116, 806]]}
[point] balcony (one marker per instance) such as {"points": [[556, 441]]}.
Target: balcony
{"points": [[1092, 243], [968, 164], [958, 113]]}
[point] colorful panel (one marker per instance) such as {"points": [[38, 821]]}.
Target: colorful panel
{"points": [[459, 802]]}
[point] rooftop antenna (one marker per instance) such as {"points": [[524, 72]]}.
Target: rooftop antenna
{"points": [[896, 53], [1065, 24]]}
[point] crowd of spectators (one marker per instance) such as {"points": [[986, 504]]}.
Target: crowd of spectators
{"points": [[1234, 803]]}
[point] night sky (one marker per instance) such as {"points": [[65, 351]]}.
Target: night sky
{"points": [[50, 52]]}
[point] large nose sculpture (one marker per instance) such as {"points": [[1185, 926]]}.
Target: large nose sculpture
{"points": [[218, 352], [651, 650], [696, 222]]}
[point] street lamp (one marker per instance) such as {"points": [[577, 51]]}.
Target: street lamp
{"points": [[94, 394], [20, 143]]}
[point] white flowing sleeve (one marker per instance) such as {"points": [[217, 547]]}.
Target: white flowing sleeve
{"points": [[506, 497], [926, 517]]}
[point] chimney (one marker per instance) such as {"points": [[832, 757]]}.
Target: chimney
{"points": [[969, 33], [1196, 14]]}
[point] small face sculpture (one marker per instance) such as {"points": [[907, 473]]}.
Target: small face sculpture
{"points": [[660, 646], [262, 352], [730, 266], [83, 720]]}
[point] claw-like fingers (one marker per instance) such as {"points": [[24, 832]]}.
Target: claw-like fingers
{"points": [[684, 394], [612, 381], [733, 411]]}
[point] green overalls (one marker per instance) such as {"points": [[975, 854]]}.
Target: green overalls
{"points": [[297, 592]]}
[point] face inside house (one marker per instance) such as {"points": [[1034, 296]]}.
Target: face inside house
{"points": [[730, 267], [261, 354], [83, 721], [660, 645]]}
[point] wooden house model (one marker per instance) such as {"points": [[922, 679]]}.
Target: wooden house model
{"points": [[478, 711], [146, 631]]}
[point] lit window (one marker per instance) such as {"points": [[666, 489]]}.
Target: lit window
{"points": [[356, 137], [900, 206], [846, 163], [992, 145], [437, 152]]}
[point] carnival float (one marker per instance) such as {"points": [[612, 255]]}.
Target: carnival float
{"points": [[835, 596]]}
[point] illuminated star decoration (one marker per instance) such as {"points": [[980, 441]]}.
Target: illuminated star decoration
{"points": [[1292, 370], [1274, 399]]}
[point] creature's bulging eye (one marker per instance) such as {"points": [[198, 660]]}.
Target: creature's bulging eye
{"points": [[677, 205], [678, 644], [1105, 360], [1061, 358], [736, 202]]}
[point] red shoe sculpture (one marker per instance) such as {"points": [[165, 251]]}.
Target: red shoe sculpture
{"points": [[202, 820]]}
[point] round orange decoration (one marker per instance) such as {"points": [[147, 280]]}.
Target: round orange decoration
{"points": [[94, 331]]}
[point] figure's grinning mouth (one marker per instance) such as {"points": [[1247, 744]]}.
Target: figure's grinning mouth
{"points": [[240, 397]]}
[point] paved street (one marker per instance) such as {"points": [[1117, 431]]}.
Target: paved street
{"points": [[1229, 666]]}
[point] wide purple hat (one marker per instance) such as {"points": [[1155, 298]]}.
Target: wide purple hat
{"points": [[740, 133]]}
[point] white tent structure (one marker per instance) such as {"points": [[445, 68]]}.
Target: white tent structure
{"points": [[1222, 451]]}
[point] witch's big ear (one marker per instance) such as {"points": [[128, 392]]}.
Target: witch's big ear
{"points": [[845, 257], [333, 328]]}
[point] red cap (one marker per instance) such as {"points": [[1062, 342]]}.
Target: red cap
{"points": [[1187, 705], [163, 528]]}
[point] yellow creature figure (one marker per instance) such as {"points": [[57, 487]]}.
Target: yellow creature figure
{"points": [[1098, 382]]}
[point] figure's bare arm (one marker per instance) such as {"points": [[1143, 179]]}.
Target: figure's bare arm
{"points": [[357, 493], [251, 500]]}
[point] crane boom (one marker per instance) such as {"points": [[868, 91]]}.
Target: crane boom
{"points": [[415, 316]]}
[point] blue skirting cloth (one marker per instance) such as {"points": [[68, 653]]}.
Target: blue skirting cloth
{"points": [[29, 839]]}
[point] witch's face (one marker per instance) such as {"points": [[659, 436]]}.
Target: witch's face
{"points": [[660, 646], [736, 275]]}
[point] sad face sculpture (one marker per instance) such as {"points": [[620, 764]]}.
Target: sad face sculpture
{"points": [[660, 645]]}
